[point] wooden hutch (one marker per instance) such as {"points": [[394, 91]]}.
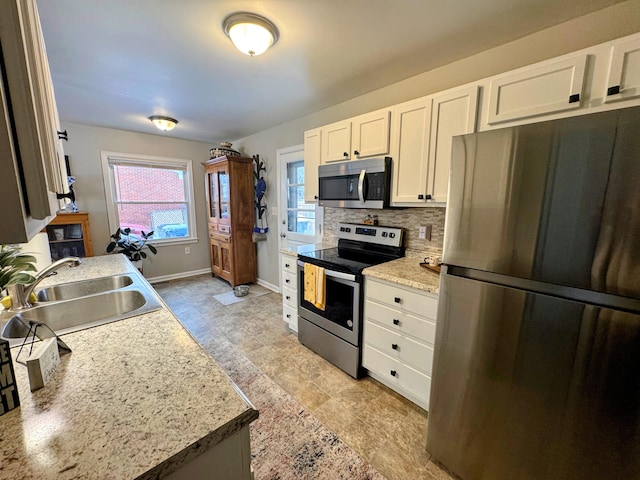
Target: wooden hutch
{"points": [[230, 207]]}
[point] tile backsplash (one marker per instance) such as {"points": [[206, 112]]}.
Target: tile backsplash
{"points": [[408, 218]]}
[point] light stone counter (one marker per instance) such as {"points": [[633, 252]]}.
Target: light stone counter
{"points": [[406, 271], [136, 398]]}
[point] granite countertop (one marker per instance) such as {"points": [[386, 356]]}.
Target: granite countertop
{"points": [[406, 271], [136, 398]]}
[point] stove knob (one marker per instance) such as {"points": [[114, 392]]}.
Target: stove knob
{"points": [[384, 234], [348, 230], [392, 235], [342, 229]]}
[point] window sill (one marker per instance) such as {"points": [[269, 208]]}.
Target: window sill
{"points": [[173, 241]]}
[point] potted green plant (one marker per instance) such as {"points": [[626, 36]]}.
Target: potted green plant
{"points": [[14, 267], [131, 245]]}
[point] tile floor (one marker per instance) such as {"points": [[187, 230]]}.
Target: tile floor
{"points": [[384, 428]]}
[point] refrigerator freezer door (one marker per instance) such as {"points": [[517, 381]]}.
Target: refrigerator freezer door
{"points": [[531, 386], [556, 202]]}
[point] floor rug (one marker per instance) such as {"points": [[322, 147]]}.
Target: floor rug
{"points": [[287, 442], [229, 298]]}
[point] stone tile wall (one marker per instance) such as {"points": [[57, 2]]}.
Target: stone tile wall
{"points": [[408, 218]]}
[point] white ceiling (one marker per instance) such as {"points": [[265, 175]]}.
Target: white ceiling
{"points": [[115, 62]]}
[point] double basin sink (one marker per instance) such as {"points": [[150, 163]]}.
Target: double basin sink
{"points": [[74, 306]]}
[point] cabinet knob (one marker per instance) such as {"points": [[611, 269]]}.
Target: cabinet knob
{"points": [[397, 300], [429, 197], [288, 315], [394, 346], [613, 90], [574, 98], [396, 321], [63, 135], [288, 281], [420, 197], [286, 265], [315, 196], [356, 152], [282, 235], [345, 154], [393, 373], [288, 297]]}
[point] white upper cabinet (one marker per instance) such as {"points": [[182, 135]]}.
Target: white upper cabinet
{"points": [[453, 113], [421, 144], [624, 71], [32, 156], [336, 141], [312, 152], [410, 136], [531, 92], [371, 134], [359, 137]]}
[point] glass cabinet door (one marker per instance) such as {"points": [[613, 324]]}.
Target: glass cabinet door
{"points": [[212, 179], [223, 179]]}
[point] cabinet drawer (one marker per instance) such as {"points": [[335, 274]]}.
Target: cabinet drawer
{"points": [[399, 347], [401, 322], [288, 264], [289, 280], [402, 299], [289, 298], [397, 376], [290, 316]]}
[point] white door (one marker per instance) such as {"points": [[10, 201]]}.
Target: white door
{"points": [[300, 222]]}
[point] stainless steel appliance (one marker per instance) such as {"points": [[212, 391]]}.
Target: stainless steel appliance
{"points": [[335, 333], [538, 339], [355, 184]]}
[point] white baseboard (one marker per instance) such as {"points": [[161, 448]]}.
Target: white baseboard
{"points": [[270, 286], [177, 276]]}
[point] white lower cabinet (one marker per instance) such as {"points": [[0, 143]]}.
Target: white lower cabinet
{"points": [[399, 332], [289, 275]]}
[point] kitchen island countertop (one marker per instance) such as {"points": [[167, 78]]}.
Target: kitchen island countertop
{"points": [[406, 271], [136, 398]]}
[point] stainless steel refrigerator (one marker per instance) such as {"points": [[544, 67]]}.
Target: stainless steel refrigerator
{"points": [[537, 353]]}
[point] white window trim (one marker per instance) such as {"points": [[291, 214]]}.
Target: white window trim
{"points": [[110, 194]]}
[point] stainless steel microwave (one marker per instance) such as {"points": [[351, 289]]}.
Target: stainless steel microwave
{"points": [[355, 184]]}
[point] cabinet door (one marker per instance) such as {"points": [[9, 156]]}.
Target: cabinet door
{"points": [[224, 192], [624, 72], [312, 151], [336, 141], [410, 150], [371, 134], [216, 258], [537, 91], [453, 114]]}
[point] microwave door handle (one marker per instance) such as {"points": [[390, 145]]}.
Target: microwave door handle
{"points": [[363, 174]]}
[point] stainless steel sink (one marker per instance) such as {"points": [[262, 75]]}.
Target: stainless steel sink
{"points": [[83, 288], [72, 311]]}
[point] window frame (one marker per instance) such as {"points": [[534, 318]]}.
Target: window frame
{"points": [[110, 158]]}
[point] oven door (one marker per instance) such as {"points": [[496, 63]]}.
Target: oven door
{"points": [[341, 315]]}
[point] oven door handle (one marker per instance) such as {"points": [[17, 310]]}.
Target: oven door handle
{"points": [[363, 174], [331, 273]]}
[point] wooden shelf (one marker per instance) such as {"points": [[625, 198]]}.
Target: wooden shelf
{"points": [[69, 235]]}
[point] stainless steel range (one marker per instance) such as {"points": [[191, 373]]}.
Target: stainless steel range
{"points": [[335, 332]]}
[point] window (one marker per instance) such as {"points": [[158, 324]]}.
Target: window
{"points": [[150, 194], [301, 216]]}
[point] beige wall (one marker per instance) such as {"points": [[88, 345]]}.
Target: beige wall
{"points": [[607, 24], [84, 147]]}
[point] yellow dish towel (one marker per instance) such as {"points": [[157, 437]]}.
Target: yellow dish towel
{"points": [[314, 285]]}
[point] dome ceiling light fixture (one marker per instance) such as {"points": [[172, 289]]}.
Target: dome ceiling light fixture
{"points": [[163, 123], [250, 33]]}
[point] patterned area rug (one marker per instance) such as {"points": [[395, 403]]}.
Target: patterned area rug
{"points": [[287, 443]]}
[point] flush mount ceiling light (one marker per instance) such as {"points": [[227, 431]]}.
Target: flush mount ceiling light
{"points": [[250, 33], [163, 123]]}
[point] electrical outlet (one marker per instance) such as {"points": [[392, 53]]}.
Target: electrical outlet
{"points": [[422, 232], [187, 250]]}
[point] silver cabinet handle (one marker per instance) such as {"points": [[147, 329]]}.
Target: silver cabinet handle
{"points": [[363, 173]]}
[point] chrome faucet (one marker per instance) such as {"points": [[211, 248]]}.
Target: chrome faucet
{"points": [[20, 293]]}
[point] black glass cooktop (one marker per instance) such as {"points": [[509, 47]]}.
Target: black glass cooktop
{"points": [[351, 259]]}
